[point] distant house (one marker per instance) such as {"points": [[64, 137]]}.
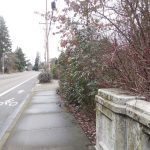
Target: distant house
{"points": [[52, 61], [29, 67]]}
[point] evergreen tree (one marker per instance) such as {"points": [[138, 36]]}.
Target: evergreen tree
{"points": [[20, 59], [37, 62], [5, 43]]}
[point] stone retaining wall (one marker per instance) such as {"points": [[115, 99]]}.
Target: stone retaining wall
{"points": [[122, 121]]}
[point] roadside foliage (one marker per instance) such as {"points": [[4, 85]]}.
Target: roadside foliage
{"points": [[5, 43], [20, 59], [44, 77], [104, 44], [9, 61]]}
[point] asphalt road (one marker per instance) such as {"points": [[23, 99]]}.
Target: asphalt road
{"points": [[14, 90]]}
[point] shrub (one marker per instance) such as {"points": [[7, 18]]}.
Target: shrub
{"points": [[54, 71], [80, 70], [44, 77]]}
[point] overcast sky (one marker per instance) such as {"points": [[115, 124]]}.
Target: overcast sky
{"points": [[24, 28]]}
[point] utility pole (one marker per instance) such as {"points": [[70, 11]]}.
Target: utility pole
{"points": [[46, 34], [47, 30]]}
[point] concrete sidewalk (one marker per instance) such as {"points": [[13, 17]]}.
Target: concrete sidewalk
{"points": [[46, 125]]}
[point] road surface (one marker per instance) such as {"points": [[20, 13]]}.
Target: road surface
{"points": [[14, 90]]}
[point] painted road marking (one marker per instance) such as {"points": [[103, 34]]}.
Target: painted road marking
{"points": [[20, 91], [10, 102], [7, 91], [1, 103]]}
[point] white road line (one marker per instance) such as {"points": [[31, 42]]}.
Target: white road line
{"points": [[20, 91], [7, 91]]}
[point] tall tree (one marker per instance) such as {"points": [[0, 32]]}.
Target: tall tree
{"points": [[20, 59], [37, 62], [5, 43]]}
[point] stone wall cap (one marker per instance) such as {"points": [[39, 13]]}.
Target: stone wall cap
{"points": [[117, 108], [140, 105], [139, 110], [118, 96]]}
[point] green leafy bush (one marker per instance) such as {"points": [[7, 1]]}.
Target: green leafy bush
{"points": [[44, 77], [81, 70], [92, 61], [54, 71]]}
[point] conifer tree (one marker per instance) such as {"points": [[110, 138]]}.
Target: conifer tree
{"points": [[5, 43], [37, 62], [20, 59]]}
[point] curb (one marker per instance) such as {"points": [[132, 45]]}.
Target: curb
{"points": [[12, 119]]}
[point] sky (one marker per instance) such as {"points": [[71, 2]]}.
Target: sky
{"points": [[24, 28]]}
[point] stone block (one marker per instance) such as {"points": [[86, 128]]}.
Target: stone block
{"points": [[122, 121]]}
